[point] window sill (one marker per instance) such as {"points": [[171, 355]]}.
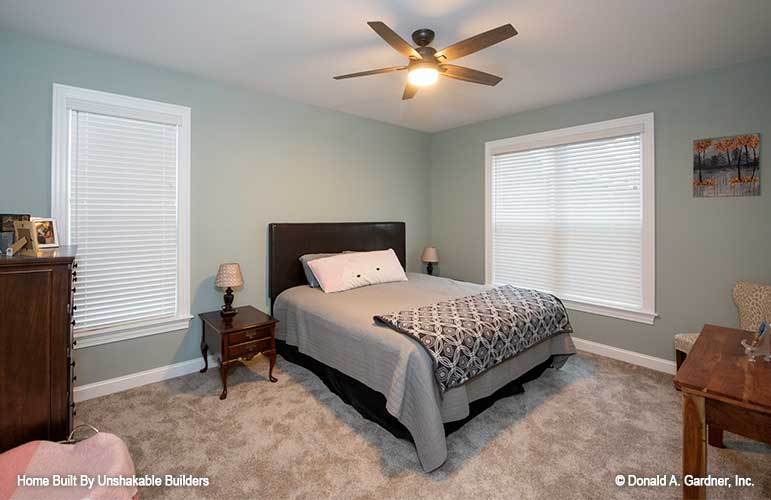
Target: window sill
{"points": [[138, 329], [613, 312]]}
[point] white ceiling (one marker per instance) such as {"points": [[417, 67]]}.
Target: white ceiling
{"points": [[565, 49]]}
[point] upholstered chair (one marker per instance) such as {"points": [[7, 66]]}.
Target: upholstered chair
{"points": [[753, 300]]}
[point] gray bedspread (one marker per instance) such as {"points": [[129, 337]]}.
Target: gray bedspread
{"points": [[469, 335], [338, 329]]}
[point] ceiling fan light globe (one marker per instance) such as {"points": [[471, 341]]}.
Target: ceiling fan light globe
{"points": [[423, 76]]}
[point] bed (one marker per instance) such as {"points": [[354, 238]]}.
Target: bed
{"points": [[386, 376]]}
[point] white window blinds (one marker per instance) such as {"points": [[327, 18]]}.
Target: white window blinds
{"points": [[123, 218], [570, 219]]}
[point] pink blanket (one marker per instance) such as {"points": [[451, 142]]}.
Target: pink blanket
{"points": [[100, 456]]}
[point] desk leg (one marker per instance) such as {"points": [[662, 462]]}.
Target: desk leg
{"points": [[694, 444], [715, 436]]}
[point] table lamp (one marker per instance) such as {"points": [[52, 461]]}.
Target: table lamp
{"points": [[430, 256], [228, 277]]}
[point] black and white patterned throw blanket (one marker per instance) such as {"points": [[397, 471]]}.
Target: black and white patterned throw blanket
{"points": [[468, 335]]}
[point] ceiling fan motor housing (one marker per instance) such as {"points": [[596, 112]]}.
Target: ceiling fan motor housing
{"points": [[423, 37]]}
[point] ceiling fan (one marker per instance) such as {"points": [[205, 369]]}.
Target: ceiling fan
{"points": [[426, 64]]}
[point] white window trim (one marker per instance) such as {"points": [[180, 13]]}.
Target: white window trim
{"points": [[639, 123], [66, 98]]}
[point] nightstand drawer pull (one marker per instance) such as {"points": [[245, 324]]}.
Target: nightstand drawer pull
{"points": [[250, 335], [249, 348]]}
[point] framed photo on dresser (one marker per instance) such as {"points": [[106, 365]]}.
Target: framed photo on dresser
{"points": [[46, 232], [6, 221], [6, 228]]}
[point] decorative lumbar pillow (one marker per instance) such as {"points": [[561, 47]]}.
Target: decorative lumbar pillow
{"points": [[354, 270], [304, 259]]}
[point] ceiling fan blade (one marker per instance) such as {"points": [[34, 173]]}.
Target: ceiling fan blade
{"points": [[394, 40], [469, 75], [476, 43], [370, 72], [409, 91]]}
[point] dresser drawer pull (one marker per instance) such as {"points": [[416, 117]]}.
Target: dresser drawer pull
{"points": [[251, 334]]}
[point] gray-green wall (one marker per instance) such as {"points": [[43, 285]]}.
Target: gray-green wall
{"points": [[256, 159], [702, 245]]}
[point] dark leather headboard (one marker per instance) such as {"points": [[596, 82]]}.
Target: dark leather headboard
{"points": [[287, 242]]}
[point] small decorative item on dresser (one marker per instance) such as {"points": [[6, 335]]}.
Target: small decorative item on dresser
{"points": [[229, 277], [250, 333], [6, 229], [430, 257], [25, 230]]}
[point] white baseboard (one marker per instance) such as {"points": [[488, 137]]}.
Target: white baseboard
{"points": [[631, 357], [125, 382]]}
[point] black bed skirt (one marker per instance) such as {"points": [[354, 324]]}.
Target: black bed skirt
{"points": [[372, 404]]}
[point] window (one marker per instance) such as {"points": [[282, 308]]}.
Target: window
{"points": [[571, 212], [120, 186]]}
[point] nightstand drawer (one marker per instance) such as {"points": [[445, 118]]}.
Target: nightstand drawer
{"points": [[250, 335], [250, 348]]}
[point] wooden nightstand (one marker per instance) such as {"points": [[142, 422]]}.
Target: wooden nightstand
{"points": [[243, 336]]}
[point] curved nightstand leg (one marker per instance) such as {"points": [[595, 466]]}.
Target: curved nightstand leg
{"points": [[272, 364], [204, 352], [224, 375]]}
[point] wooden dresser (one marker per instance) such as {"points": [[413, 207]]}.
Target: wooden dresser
{"points": [[36, 367]]}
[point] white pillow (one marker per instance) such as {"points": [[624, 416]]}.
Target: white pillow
{"points": [[354, 270]]}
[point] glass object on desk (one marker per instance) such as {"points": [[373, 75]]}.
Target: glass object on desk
{"points": [[760, 345]]}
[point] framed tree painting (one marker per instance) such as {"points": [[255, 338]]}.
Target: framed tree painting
{"points": [[726, 166]]}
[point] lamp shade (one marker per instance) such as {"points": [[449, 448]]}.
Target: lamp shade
{"points": [[229, 276], [430, 255]]}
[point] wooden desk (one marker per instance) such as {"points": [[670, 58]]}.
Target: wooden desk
{"points": [[721, 389]]}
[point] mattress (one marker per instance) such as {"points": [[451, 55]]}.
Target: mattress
{"points": [[338, 330]]}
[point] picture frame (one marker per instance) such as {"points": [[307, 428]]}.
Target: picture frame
{"points": [[6, 221], [726, 166], [26, 229], [46, 232]]}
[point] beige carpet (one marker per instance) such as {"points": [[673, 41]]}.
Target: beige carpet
{"points": [[568, 436]]}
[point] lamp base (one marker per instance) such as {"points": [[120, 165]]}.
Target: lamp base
{"points": [[228, 311], [430, 268]]}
